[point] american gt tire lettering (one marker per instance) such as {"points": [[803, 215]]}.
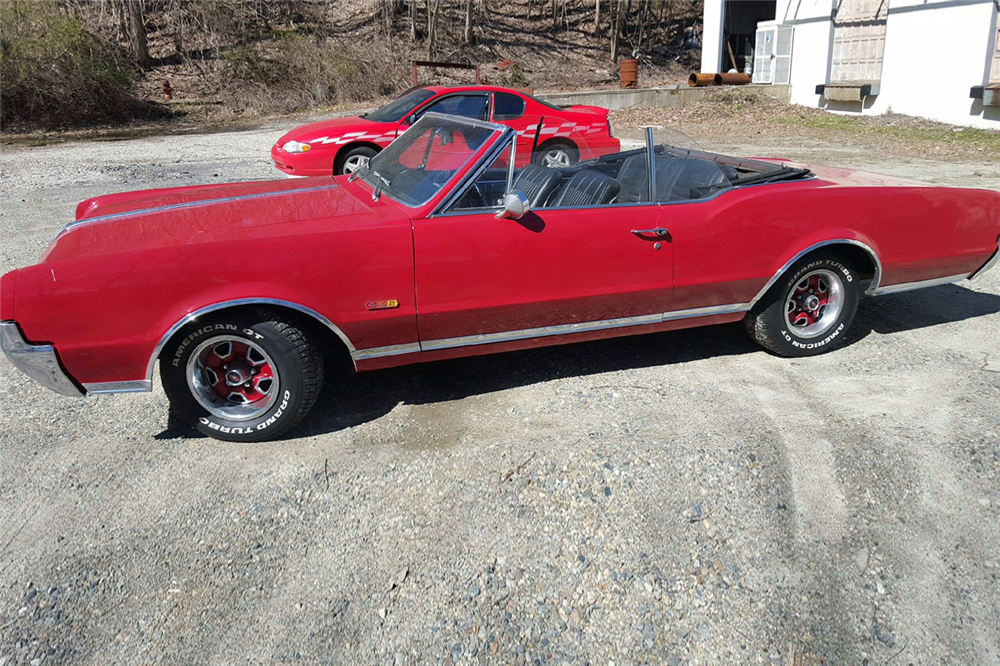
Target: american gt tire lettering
{"points": [[809, 312], [245, 378], [194, 336]]}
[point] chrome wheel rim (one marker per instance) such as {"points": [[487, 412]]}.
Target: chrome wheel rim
{"points": [[814, 303], [556, 158], [232, 378], [355, 162]]}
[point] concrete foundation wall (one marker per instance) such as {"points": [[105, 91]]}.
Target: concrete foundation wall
{"points": [[932, 58], [934, 53], [644, 98]]}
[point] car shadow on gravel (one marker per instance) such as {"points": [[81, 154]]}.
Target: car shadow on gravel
{"points": [[369, 396]]}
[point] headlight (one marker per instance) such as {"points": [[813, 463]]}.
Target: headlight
{"points": [[296, 147]]}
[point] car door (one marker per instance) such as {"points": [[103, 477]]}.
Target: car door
{"points": [[478, 275], [475, 105]]}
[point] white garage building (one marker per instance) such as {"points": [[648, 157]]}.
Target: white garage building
{"points": [[939, 59]]}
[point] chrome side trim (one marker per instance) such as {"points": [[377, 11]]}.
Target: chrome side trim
{"points": [[137, 386], [391, 350], [909, 286], [236, 303], [815, 246], [188, 204], [39, 362], [547, 331], [990, 263]]}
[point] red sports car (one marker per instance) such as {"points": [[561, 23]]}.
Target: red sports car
{"points": [[406, 261], [547, 134]]}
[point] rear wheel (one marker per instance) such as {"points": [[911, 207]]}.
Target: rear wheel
{"points": [[557, 155], [809, 309], [354, 159], [242, 378]]}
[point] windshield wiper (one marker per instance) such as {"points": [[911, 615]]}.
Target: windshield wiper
{"points": [[379, 181]]}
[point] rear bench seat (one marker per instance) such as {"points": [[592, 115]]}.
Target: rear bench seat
{"points": [[676, 177]]}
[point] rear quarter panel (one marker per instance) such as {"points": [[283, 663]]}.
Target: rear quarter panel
{"points": [[728, 247]]}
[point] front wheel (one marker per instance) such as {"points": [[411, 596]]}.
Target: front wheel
{"points": [[354, 159], [809, 309], [242, 378]]}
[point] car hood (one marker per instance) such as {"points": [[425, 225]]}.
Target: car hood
{"points": [[335, 128], [148, 219]]}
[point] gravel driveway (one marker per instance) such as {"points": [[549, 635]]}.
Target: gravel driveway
{"points": [[675, 498]]}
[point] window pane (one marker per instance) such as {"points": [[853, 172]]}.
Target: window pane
{"points": [[507, 106], [467, 106], [418, 164], [486, 193]]}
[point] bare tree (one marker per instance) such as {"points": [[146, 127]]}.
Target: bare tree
{"points": [[597, 18], [433, 9], [469, 35], [134, 27], [617, 16]]}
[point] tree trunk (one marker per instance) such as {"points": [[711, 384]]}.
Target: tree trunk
{"points": [[432, 20], [597, 18], [469, 35], [135, 25], [179, 29]]}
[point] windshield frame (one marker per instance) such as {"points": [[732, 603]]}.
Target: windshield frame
{"points": [[376, 181]]}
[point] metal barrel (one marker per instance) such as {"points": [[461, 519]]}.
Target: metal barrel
{"points": [[629, 73]]}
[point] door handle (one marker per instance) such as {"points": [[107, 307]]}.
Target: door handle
{"points": [[657, 233]]}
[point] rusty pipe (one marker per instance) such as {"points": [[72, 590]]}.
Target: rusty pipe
{"points": [[724, 79], [697, 80]]}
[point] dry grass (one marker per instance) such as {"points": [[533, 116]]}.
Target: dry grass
{"points": [[742, 112], [56, 73]]}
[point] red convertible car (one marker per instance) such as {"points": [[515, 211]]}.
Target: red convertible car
{"points": [[441, 246], [551, 135]]}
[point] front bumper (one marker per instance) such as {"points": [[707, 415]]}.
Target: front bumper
{"points": [[317, 162], [990, 263], [39, 362]]}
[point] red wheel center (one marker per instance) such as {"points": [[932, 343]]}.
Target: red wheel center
{"points": [[238, 372], [807, 301]]}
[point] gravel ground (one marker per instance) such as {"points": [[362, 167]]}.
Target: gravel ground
{"points": [[681, 498]]}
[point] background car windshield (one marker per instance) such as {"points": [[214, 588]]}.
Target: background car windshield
{"points": [[420, 162], [399, 107]]}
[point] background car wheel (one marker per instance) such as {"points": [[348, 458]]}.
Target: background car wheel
{"points": [[354, 159], [242, 378], [809, 309], [557, 155]]}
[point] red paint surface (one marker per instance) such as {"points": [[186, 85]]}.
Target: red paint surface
{"points": [[584, 127], [107, 290]]}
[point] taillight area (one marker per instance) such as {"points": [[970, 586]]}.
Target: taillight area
{"points": [[7, 295], [608, 118]]}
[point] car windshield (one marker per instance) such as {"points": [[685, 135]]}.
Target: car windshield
{"points": [[419, 163], [399, 107]]}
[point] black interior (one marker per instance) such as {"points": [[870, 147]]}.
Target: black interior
{"points": [[680, 175]]}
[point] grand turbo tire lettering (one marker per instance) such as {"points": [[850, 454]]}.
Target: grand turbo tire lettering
{"points": [[257, 343], [260, 426], [274, 417], [770, 321]]}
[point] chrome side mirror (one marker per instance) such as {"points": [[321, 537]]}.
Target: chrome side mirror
{"points": [[515, 206]]}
